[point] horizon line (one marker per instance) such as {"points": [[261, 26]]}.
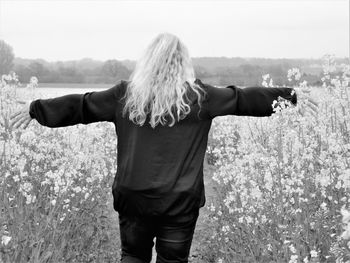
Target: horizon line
{"points": [[226, 57]]}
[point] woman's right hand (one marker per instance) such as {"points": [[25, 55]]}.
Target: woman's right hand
{"points": [[21, 117]]}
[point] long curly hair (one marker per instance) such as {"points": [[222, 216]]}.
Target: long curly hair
{"points": [[160, 83]]}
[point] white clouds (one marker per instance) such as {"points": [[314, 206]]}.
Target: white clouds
{"points": [[121, 29]]}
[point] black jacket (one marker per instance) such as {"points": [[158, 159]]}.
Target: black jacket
{"points": [[160, 170]]}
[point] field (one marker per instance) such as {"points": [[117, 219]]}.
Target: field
{"points": [[45, 90], [277, 187]]}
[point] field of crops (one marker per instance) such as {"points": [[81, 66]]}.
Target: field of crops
{"points": [[277, 187]]}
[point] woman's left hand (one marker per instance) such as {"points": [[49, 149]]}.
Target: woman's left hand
{"points": [[307, 103], [21, 117]]}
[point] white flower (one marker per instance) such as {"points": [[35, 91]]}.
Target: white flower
{"points": [[16, 178], [249, 219], [34, 80], [5, 240], [292, 249], [266, 76], [346, 215], [303, 84], [293, 73], [269, 247], [212, 207], [225, 229], [293, 259], [323, 206], [24, 174], [26, 187], [274, 103], [30, 199], [313, 253], [346, 221], [77, 189], [292, 200]]}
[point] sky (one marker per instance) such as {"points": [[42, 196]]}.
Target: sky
{"points": [[120, 29]]}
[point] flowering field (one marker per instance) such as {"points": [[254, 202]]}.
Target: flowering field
{"points": [[280, 184]]}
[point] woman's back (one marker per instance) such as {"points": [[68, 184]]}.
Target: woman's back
{"points": [[161, 168]]}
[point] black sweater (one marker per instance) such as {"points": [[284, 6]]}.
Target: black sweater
{"points": [[160, 170]]}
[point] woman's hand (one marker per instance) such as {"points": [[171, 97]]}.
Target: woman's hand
{"points": [[21, 117], [308, 105]]}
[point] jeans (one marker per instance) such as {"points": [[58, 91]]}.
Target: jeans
{"points": [[173, 237]]}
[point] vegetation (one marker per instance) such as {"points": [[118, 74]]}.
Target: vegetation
{"points": [[220, 71], [279, 187], [6, 57]]}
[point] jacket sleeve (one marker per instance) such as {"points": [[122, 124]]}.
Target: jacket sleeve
{"points": [[250, 101], [76, 108]]}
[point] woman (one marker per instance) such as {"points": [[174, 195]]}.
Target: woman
{"points": [[162, 117]]}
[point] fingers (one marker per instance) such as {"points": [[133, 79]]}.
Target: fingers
{"points": [[20, 121], [26, 123], [16, 118], [312, 101], [305, 90], [12, 122], [312, 112], [309, 110], [18, 124], [312, 105], [308, 106], [303, 112], [24, 109], [15, 124], [15, 114]]}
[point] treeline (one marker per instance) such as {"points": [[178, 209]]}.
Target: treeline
{"points": [[215, 70], [81, 71], [248, 71], [219, 71]]}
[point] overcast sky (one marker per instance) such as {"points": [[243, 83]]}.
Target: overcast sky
{"points": [[65, 30]]}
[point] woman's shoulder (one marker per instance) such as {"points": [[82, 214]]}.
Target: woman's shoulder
{"points": [[199, 82], [122, 84], [120, 87], [204, 85], [208, 88]]}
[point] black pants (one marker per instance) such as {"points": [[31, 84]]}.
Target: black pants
{"points": [[173, 238]]}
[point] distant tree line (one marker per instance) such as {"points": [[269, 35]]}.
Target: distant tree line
{"points": [[111, 71], [59, 72], [216, 70], [6, 57]]}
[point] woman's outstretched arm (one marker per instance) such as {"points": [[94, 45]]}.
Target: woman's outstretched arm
{"points": [[250, 101], [70, 109]]}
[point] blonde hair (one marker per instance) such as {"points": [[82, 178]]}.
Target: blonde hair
{"points": [[160, 81]]}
